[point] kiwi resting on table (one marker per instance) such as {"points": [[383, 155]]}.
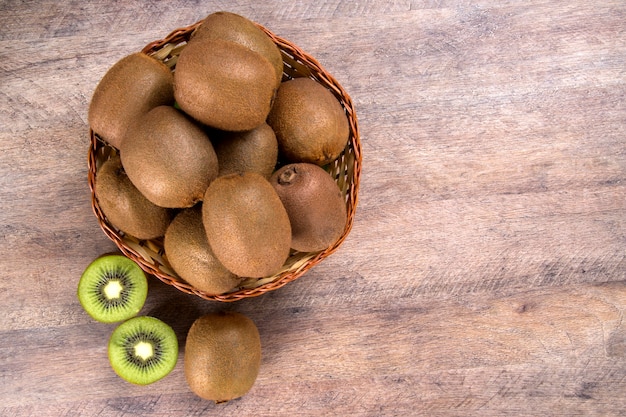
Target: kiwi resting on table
{"points": [[246, 224], [143, 350], [130, 88], [317, 210], [112, 288], [222, 356], [309, 122]]}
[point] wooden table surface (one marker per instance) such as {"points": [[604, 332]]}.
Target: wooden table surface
{"points": [[485, 274]]}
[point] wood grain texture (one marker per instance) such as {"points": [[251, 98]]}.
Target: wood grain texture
{"points": [[486, 270]]}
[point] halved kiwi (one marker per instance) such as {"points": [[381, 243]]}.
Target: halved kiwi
{"points": [[112, 288], [143, 350]]}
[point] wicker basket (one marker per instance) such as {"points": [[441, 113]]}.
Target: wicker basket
{"points": [[346, 170]]}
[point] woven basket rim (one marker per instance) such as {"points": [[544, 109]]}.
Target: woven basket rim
{"points": [[148, 254]]}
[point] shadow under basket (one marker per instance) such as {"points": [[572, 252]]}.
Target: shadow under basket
{"points": [[346, 170]]}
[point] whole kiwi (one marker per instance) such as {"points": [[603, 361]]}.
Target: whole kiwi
{"points": [[310, 123], [189, 253], [131, 87], [223, 84], [168, 158], [317, 210], [222, 356], [254, 150], [124, 206], [235, 28], [246, 224]]}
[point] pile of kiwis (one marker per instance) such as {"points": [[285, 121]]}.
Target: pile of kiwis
{"points": [[220, 156]]}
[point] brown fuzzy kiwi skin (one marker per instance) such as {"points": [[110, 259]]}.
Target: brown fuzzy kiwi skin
{"points": [[235, 28], [317, 210], [125, 207], [309, 122], [169, 158], [254, 150], [246, 224], [188, 252], [130, 88], [222, 356], [224, 85]]}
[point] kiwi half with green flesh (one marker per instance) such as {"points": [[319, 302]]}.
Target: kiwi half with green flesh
{"points": [[309, 121], [316, 208], [223, 84], [246, 224], [222, 356], [169, 158], [112, 288], [254, 150], [143, 350], [125, 207], [131, 87], [188, 252], [235, 28]]}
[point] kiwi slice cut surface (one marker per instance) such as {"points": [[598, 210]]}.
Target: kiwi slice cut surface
{"points": [[112, 288], [143, 350]]}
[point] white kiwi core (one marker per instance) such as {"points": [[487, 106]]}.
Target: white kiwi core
{"points": [[113, 289], [144, 350]]}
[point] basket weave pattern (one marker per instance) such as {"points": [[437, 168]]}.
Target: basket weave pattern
{"points": [[346, 170]]}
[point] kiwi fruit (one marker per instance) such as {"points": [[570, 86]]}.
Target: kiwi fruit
{"points": [[131, 87], [254, 150], [169, 158], [309, 122], [143, 350], [223, 84], [189, 254], [125, 207], [316, 208], [235, 28], [246, 224], [222, 356], [112, 288]]}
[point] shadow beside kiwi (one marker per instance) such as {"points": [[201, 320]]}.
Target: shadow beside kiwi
{"points": [[274, 318], [176, 308]]}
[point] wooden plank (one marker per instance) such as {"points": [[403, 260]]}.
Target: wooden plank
{"points": [[484, 275]]}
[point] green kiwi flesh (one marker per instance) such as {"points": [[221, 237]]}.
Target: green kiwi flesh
{"points": [[112, 288], [143, 350], [222, 356]]}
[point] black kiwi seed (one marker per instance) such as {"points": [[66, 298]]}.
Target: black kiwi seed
{"points": [[143, 350], [112, 288]]}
